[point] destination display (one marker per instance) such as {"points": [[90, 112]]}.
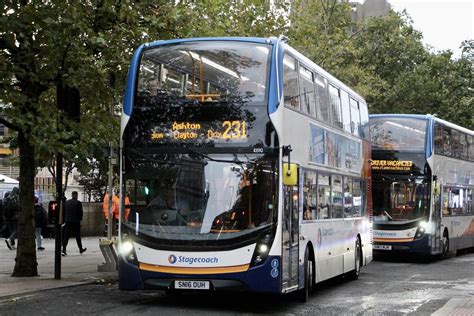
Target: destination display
{"points": [[222, 131], [396, 165]]}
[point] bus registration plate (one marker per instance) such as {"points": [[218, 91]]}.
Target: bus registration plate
{"points": [[191, 285], [382, 247]]}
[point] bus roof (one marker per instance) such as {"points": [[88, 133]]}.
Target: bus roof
{"points": [[427, 117], [261, 40]]}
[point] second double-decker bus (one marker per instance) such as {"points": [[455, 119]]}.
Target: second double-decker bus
{"points": [[246, 167], [423, 185]]}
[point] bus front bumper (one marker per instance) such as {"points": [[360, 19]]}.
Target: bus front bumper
{"points": [[421, 246], [263, 278]]}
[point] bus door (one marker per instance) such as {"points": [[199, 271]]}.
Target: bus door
{"points": [[290, 233], [437, 246]]}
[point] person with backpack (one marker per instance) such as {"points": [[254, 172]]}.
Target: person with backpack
{"points": [[41, 221], [11, 205]]}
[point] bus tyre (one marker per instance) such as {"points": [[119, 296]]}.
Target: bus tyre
{"points": [[445, 245], [303, 294], [354, 274]]}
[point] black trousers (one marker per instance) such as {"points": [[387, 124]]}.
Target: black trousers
{"points": [[72, 229]]}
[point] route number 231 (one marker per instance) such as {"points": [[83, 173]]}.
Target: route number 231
{"points": [[234, 129]]}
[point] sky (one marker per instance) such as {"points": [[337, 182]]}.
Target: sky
{"points": [[445, 24]]}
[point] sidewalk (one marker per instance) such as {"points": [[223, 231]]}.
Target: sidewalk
{"points": [[76, 269], [457, 306]]}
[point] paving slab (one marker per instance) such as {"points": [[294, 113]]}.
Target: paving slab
{"points": [[76, 268]]}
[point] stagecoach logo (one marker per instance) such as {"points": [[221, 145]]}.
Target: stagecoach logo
{"points": [[172, 259]]}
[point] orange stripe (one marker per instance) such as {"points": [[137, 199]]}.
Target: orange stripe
{"points": [[393, 239], [182, 270]]}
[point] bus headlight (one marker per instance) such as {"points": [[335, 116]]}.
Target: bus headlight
{"points": [[125, 248], [424, 227], [262, 248], [128, 252], [261, 251], [427, 227]]}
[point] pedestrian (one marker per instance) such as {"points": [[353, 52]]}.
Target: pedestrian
{"points": [[41, 222], [115, 210], [11, 204], [3, 223], [73, 222]]}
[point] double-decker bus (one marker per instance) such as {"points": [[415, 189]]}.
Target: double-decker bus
{"points": [[423, 185], [246, 166]]}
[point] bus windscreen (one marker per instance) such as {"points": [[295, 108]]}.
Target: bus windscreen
{"points": [[400, 200], [201, 93], [401, 134]]}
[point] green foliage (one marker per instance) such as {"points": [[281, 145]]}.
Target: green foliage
{"points": [[232, 18], [385, 61]]}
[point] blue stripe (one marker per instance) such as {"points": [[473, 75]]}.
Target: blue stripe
{"points": [[128, 99], [429, 138], [277, 63]]}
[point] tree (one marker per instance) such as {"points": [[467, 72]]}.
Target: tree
{"points": [[385, 60], [44, 45], [49, 45]]}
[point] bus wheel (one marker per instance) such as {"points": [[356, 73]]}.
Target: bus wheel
{"points": [[445, 245], [303, 294], [354, 274]]}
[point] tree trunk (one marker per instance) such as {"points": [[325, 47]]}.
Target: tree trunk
{"points": [[25, 261]]}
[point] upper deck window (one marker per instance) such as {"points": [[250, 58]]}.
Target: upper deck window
{"points": [[290, 82], [307, 91], [206, 71], [355, 117], [398, 133]]}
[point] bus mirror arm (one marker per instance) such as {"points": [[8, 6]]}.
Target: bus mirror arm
{"points": [[287, 152]]}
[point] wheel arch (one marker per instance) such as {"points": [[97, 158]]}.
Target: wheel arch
{"points": [[312, 257]]}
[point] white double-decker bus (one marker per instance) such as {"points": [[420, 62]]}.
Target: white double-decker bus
{"points": [[246, 166], [423, 184]]}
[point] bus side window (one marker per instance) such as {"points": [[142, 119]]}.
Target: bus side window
{"points": [[447, 201], [337, 197], [335, 106], [307, 91], [348, 197], [309, 195], [324, 194], [355, 117], [447, 151], [456, 146], [364, 121], [463, 146], [470, 200], [346, 111], [470, 149], [290, 83], [322, 99], [438, 139], [357, 197]]}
